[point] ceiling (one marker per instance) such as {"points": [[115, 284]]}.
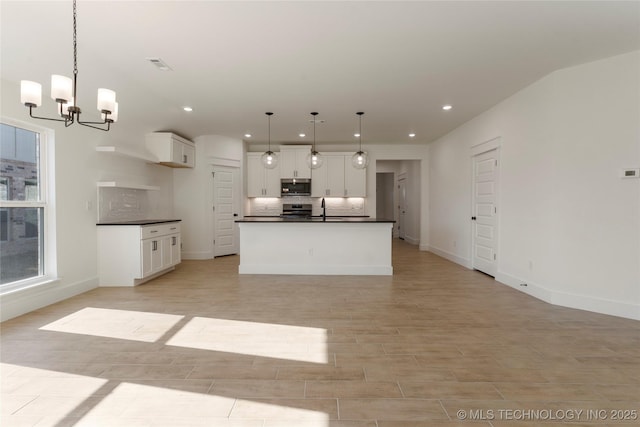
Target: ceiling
{"points": [[399, 62]]}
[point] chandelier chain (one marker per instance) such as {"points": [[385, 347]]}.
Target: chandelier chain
{"points": [[75, 40]]}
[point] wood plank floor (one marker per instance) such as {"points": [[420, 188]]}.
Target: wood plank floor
{"points": [[434, 345]]}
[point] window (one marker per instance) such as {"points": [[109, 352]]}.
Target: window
{"points": [[24, 208]]}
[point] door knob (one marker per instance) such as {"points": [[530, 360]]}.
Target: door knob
{"points": [[473, 218]]}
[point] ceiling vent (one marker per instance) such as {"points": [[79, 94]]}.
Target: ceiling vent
{"points": [[159, 63]]}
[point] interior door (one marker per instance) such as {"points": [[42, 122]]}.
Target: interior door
{"points": [[402, 207], [225, 208], [485, 212]]}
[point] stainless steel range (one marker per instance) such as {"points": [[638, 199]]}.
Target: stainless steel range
{"points": [[294, 210]]}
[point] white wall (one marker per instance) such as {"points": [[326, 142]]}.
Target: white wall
{"points": [[569, 226], [193, 192], [77, 169]]}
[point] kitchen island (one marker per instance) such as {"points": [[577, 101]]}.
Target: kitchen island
{"points": [[331, 246]]}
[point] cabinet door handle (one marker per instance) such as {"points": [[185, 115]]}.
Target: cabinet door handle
{"points": [[345, 191], [153, 231], [184, 158], [155, 245], [174, 228], [173, 241]]}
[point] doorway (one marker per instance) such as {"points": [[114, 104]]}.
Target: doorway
{"points": [[385, 196], [226, 205], [402, 207]]}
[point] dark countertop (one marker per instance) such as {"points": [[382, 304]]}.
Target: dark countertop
{"points": [[139, 222], [319, 220]]}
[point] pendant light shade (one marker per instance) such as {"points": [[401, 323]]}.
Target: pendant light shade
{"points": [[314, 159], [269, 158], [360, 160]]}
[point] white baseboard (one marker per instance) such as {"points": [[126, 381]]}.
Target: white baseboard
{"points": [[411, 240], [447, 255], [23, 301], [564, 299], [570, 300], [197, 255]]}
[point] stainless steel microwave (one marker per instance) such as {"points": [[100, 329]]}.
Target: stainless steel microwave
{"points": [[295, 187]]}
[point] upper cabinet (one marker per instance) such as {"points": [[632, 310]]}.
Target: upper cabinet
{"points": [[261, 182], [328, 179], [293, 161], [172, 150], [337, 178], [355, 180]]}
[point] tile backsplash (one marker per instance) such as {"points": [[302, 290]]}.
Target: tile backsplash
{"points": [[122, 204], [336, 206]]}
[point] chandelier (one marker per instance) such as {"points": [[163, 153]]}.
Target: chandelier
{"points": [[64, 92]]}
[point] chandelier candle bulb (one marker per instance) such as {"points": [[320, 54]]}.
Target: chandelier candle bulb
{"points": [[30, 93], [106, 100], [113, 116], [64, 108], [61, 88]]}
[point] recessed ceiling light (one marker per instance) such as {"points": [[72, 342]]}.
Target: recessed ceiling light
{"points": [[357, 135], [302, 135], [411, 135], [447, 107], [187, 109], [247, 135]]}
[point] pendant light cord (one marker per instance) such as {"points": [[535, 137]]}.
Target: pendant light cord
{"points": [[360, 132], [269, 127], [314, 114]]}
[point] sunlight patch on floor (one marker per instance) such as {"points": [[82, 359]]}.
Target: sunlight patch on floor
{"points": [[138, 401], [44, 395], [120, 324], [252, 338]]}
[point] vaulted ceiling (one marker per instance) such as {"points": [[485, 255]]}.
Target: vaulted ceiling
{"points": [[399, 62]]}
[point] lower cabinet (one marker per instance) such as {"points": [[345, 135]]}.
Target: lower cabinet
{"points": [[132, 254]]}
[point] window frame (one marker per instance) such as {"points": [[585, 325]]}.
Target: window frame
{"points": [[46, 202]]}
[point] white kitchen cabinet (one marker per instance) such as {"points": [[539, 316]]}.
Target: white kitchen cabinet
{"points": [[261, 182], [132, 254], [355, 180], [293, 161], [337, 178], [171, 150], [328, 179]]}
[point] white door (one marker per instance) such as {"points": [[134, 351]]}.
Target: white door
{"points": [[225, 210], [402, 207], [485, 212]]}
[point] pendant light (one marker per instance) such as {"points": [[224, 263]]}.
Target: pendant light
{"points": [[314, 159], [64, 91], [360, 160], [269, 158]]}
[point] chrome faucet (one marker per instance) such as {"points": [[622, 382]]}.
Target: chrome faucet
{"points": [[324, 210]]}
